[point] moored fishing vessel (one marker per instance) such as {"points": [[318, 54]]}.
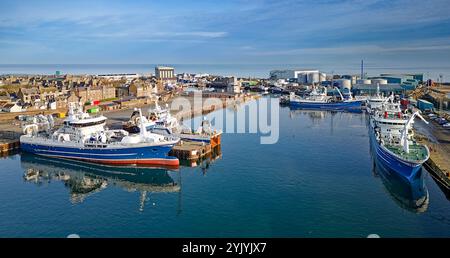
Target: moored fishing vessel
{"points": [[160, 121], [85, 138], [376, 101], [390, 118], [394, 144], [320, 100]]}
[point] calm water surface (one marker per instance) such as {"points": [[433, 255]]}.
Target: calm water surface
{"points": [[319, 180]]}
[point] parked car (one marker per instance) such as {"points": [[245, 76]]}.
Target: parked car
{"points": [[432, 115], [442, 121], [446, 125]]}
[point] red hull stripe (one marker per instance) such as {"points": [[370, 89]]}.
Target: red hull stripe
{"points": [[161, 162]]}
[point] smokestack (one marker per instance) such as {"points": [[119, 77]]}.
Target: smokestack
{"points": [[362, 69]]}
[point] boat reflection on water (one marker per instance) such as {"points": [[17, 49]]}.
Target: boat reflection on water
{"points": [[205, 161], [314, 115], [412, 196], [83, 179]]}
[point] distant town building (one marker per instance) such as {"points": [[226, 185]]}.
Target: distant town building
{"points": [[29, 95], [119, 76], [230, 83], [164, 72], [49, 93], [12, 107], [165, 77], [95, 93], [4, 95], [139, 90], [123, 91], [226, 81]]}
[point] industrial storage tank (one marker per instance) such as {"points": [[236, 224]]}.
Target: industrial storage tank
{"points": [[363, 81], [379, 81], [344, 83], [322, 77]]}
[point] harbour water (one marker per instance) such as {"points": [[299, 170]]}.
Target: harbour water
{"points": [[318, 180]]}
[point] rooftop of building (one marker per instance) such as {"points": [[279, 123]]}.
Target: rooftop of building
{"points": [[33, 90], [296, 70], [164, 68]]}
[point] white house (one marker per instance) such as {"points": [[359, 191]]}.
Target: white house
{"points": [[13, 107]]}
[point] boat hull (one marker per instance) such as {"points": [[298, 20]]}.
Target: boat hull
{"points": [[214, 140], [407, 170], [325, 105], [146, 156]]}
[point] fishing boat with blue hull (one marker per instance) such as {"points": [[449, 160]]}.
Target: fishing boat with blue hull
{"points": [[408, 165], [395, 148], [85, 138], [411, 195], [316, 100]]}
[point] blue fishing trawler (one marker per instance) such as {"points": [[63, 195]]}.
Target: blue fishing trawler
{"points": [[395, 147], [320, 100], [85, 138]]}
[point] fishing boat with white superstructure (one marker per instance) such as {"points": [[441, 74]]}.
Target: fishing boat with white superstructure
{"points": [[160, 121], [374, 102], [391, 134], [320, 100], [85, 138]]}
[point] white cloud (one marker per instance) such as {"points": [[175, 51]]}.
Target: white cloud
{"points": [[418, 45]]}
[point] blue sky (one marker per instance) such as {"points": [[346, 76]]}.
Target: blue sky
{"points": [[394, 33]]}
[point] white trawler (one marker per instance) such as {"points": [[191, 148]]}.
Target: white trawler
{"points": [[374, 102], [392, 135], [320, 100], [85, 138], [160, 121]]}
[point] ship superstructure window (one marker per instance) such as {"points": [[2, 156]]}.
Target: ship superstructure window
{"points": [[391, 123]]}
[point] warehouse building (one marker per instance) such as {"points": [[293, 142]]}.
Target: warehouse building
{"points": [[370, 89]]}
